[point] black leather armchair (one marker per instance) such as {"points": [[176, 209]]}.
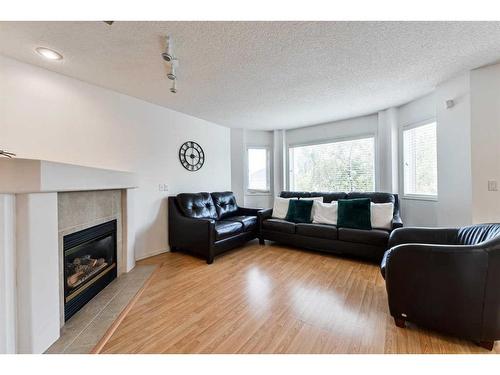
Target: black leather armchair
{"points": [[447, 279], [207, 224]]}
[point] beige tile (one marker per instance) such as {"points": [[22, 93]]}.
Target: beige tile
{"points": [[103, 203], [75, 208], [82, 332]]}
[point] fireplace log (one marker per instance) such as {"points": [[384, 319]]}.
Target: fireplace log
{"points": [[73, 279]]}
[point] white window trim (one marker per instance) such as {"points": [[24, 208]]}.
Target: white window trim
{"points": [[418, 197], [268, 171], [335, 140]]}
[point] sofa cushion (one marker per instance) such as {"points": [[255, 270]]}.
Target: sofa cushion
{"points": [[249, 222], [225, 229], [328, 232], [376, 237], [279, 225], [354, 213], [225, 203], [197, 205], [299, 211]]}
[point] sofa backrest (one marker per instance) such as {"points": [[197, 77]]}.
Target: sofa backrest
{"points": [[328, 197], [476, 234], [197, 205], [225, 203]]}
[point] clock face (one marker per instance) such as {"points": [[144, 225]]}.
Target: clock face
{"points": [[191, 156]]}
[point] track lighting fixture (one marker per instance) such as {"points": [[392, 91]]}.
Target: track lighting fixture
{"points": [[170, 58]]}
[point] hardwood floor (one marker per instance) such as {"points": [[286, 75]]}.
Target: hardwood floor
{"points": [[270, 299]]}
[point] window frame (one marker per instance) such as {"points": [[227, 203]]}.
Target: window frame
{"points": [[409, 196], [373, 136], [268, 171]]}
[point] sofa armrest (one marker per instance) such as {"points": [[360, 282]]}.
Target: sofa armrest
{"points": [[397, 222], [248, 211], [263, 215], [439, 236], [197, 235], [189, 232]]}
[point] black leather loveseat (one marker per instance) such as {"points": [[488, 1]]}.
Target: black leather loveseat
{"points": [[207, 224], [364, 243], [446, 279]]}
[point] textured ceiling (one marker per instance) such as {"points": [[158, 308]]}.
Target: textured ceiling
{"points": [[263, 75]]}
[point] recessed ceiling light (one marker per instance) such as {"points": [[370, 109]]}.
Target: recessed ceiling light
{"points": [[49, 54]]}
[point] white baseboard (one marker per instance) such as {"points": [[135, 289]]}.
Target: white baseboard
{"points": [[152, 254]]}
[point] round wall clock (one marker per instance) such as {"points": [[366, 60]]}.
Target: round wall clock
{"points": [[191, 156]]}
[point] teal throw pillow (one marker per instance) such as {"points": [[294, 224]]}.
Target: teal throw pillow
{"points": [[299, 211], [354, 213]]}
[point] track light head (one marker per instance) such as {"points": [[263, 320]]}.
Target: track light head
{"points": [[171, 74], [168, 55], [173, 89]]}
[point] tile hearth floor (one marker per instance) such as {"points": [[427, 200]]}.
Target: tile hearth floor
{"points": [[83, 331]]}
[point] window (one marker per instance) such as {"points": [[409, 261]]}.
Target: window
{"points": [[258, 169], [338, 166], [420, 160]]}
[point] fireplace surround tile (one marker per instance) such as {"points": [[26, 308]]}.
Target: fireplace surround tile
{"points": [[84, 330]]}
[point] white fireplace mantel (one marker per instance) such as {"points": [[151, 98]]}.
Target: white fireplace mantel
{"points": [[30, 311], [41, 176]]}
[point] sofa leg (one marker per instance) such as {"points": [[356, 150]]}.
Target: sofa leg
{"points": [[488, 345], [210, 260], [399, 322], [261, 241]]}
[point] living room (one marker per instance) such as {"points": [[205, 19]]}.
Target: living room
{"points": [[191, 185]]}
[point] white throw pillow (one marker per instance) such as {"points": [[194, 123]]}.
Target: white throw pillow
{"points": [[325, 213], [316, 199], [381, 215], [280, 207]]}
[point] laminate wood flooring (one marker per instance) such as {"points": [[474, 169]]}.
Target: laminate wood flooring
{"points": [[270, 299]]}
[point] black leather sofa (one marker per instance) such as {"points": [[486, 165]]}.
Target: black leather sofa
{"points": [[446, 279], [369, 244], [208, 224]]}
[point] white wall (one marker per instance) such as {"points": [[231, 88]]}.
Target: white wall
{"points": [[387, 151], [353, 127], [238, 168], [49, 116], [454, 152], [453, 205], [485, 142]]}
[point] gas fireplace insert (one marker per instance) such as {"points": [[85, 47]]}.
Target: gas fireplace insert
{"points": [[89, 264]]}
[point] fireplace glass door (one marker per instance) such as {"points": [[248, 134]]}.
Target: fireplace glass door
{"points": [[89, 264]]}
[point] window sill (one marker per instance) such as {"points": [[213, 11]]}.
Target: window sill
{"points": [[430, 198], [257, 193]]}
